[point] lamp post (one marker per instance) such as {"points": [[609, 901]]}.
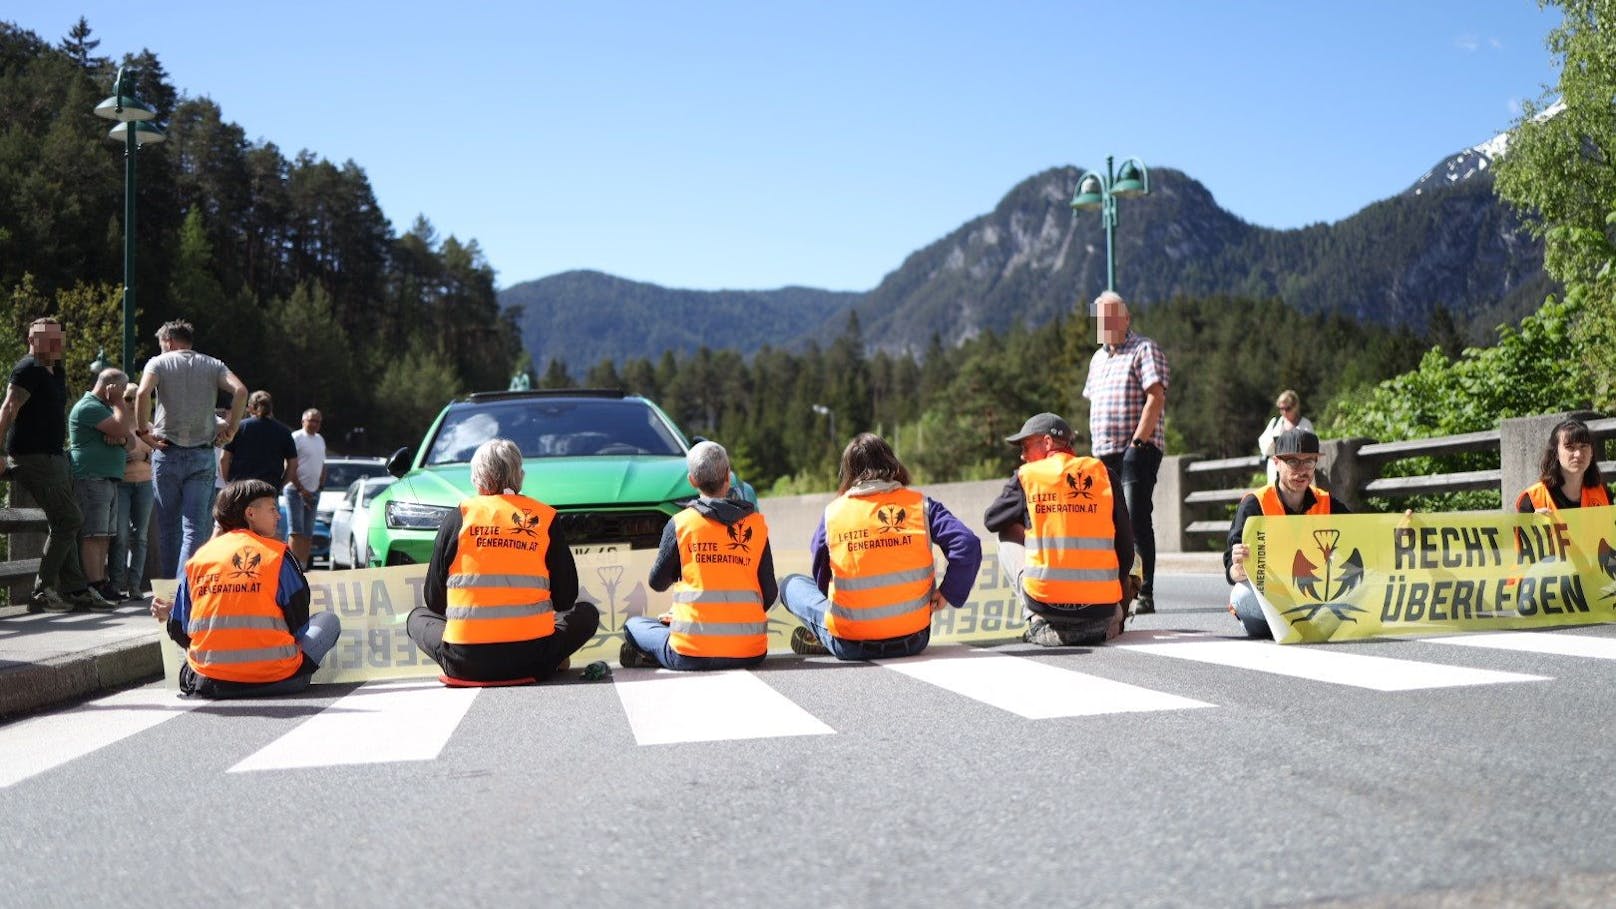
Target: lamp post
{"points": [[133, 131], [1101, 191], [824, 411]]}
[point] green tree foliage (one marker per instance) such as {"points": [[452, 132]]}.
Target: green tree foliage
{"points": [[1561, 172], [288, 268]]}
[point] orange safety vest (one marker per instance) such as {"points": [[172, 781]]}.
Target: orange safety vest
{"points": [[1071, 545], [1274, 506], [1592, 496], [717, 602], [499, 584], [881, 569], [238, 632]]}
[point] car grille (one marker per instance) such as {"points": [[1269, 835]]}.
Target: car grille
{"points": [[639, 529]]}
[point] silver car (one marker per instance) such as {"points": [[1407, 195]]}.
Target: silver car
{"points": [[350, 522]]}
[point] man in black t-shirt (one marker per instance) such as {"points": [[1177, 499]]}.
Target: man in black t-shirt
{"points": [[263, 449], [33, 422]]}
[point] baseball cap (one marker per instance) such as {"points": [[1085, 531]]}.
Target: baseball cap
{"points": [[1296, 441], [1044, 424]]}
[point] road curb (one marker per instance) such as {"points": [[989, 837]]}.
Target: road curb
{"points": [[33, 687]]}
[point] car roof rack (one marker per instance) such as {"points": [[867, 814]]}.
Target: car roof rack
{"points": [[548, 393]]}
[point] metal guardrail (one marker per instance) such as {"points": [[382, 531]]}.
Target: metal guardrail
{"points": [[1202, 478]]}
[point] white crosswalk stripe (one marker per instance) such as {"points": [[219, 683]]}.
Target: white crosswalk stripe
{"points": [[42, 743], [1336, 667], [1031, 689], [668, 707], [1555, 643], [378, 723]]}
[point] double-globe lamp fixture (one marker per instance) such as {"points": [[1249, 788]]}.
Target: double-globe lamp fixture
{"points": [[133, 131], [1101, 191]]}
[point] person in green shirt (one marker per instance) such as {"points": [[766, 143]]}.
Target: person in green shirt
{"points": [[96, 439]]}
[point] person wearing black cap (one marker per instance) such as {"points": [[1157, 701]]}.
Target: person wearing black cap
{"points": [[1296, 458], [1078, 543]]}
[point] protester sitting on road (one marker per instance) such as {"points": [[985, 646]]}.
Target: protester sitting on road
{"points": [[715, 555], [1060, 513], [242, 608], [1568, 474], [1296, 458], [501, 588], [874, 586]]}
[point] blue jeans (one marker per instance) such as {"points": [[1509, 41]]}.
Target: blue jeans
{"points": [[654, 638], [126, 558], [299, 513], [182, 479], [803, 599], [1247, 610], [1136, 470]]}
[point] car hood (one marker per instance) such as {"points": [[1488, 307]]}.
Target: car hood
{"points": [[561, 482]]}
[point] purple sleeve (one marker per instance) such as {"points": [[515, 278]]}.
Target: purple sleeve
{"points": [[821, 553], [962, 549]]}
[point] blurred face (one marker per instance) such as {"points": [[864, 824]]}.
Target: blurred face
{"points": [[262, 515], [1111, 322], [1574, 456], [1286, 407], [311, 422], [45, 342], [1296, 471]]}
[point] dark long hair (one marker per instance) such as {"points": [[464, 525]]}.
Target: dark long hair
{"points": [[1577, 433], [868, 457], [230, 508]]}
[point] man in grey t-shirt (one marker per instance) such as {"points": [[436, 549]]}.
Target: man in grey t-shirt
{"points": [[185, 384]]}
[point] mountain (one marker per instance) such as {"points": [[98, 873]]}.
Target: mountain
{"points": [[1448, 243], [583, 317]]}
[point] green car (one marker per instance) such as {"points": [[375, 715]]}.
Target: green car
{"points": [[612, 465]]}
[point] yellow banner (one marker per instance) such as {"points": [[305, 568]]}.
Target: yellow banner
{"points": [[1340, 577], [374, 603]]}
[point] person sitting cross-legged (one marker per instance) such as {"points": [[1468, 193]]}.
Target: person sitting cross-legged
{"points": [[715, 555], [242, 608]]}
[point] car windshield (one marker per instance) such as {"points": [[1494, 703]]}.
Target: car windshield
{"points": [[546, 428], [374, 488], [341, 474]]}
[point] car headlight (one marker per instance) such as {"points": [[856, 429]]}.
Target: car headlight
{"points": [[415, 516]]}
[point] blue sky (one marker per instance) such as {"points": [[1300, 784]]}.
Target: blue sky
{"points": [[756, 145]]}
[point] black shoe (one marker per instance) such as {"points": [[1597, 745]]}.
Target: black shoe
{"points": [[1144, 605], [109, 592], [806, 642], [89, 599], [631, 657]]}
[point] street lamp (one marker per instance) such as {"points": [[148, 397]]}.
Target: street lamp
{"points": [[133, 131], [824, 411], [1101, 191]]}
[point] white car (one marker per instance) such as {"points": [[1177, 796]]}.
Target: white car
{"points": [[350, 522]]}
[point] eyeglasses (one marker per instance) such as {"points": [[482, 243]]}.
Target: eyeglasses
{"points": [[1285, 407], [1300, 464]]}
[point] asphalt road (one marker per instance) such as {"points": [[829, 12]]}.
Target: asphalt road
{"points": [[1484, 783]]}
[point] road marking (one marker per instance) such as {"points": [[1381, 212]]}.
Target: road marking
{"points": [[664, 707], [1598, 648], [378, 723], [1335, 667], [44, 743], [1029, 688]]}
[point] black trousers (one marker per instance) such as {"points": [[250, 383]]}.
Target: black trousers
{"points": [[536, 659]]}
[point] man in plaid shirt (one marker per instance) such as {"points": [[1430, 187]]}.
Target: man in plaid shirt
{"points": [[1127, 393]]}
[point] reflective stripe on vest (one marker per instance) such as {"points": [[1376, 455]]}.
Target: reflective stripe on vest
{"points": [[498, 588], [1592, 496], [1274, 506], [717, 602], [238, 631], [1071, 542], [882, 571]]}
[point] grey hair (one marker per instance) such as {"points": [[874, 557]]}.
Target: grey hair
{"points": [[497, 466], [1109, 296], [709, 467], [112, 375]]}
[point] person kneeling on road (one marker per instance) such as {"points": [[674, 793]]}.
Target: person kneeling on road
{"points": [[501, 588], [1296, 458], [874, 585], [715, 555], [1078, 542], [239, 599]]}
